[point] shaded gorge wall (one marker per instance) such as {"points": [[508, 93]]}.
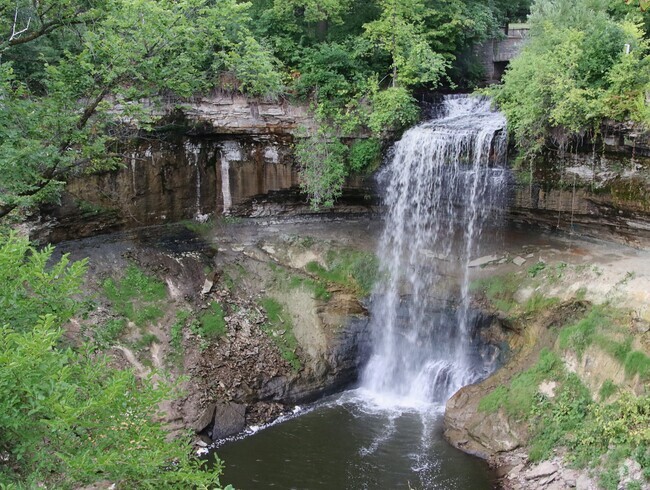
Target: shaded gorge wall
{"points": [[600, 190], [225, 155]]}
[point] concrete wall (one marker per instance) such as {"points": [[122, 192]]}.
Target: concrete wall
{"points": [[495, 54]]}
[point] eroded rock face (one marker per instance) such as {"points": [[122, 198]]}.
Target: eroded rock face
{"points": [[239, 377], [601, 190], [226, 155]]}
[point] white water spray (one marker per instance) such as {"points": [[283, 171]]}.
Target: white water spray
{"points": [[444, 184]]}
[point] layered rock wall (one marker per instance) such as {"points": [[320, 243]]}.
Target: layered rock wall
{"points": [[225, 155], [600, 190]]}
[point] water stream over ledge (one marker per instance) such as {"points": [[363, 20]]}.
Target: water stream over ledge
{"points": [[445, 182]]}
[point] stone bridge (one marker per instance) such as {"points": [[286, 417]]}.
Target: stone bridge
{"points": [[495, 54]]}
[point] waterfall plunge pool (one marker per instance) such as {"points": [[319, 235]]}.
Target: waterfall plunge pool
{"points": [[353, 441]]}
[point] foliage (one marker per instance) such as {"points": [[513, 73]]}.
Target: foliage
{"points": [[365, 155], [73, 73], [574, 73], [29, 289], [58, 109], [136, 296], [68, 419], [322, 162], [400, 32], [280, 329], [349, 268], [393, 110]]}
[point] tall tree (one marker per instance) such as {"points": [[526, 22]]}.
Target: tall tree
{"points": [[400, 31]]}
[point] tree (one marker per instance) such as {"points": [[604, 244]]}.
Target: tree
{"points": [[108, 56], [67, 418], [321, 156], [574, 73], [399, 31]]}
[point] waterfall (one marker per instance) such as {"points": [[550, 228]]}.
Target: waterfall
{"points": [[443, 186]]}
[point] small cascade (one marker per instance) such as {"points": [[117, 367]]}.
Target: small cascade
{"points": [[229, 153], [444, 184], [193, 151], [133, 175]]}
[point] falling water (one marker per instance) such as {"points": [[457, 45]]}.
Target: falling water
{"points": [[443, 185], [230, 152]]}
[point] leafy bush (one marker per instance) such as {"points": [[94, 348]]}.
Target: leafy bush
{"points": [[29, 288], [365, 155], [136, 296], [68, 419], [393, 109], [322, 162], [573, 74]]}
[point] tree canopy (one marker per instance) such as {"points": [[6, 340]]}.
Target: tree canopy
{"points": [[587, 62]]}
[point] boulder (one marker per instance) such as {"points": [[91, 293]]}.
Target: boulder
{"points": [[229, 419], [205, 418]]}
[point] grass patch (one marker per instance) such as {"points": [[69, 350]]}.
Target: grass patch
{"points": [[607, 389], [637, 363], [176, 330], [136, 296], [597, 328], [518, 398], [499, 290], [318, 288], [582, 334], [535, 269], [280, 329], [352, 269], [538, 302], [288, 281], [146, 341], [198, 227], [212, 323]]}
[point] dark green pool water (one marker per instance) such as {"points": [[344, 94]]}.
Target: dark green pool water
{"points": [[348, 443]]}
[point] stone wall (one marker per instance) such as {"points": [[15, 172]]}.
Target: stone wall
{"points": [[495, 54]]}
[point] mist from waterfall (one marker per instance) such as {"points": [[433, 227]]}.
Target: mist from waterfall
{"points": [[445, 183]]}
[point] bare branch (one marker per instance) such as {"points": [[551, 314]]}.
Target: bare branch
{"points": [[14, 33]]}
